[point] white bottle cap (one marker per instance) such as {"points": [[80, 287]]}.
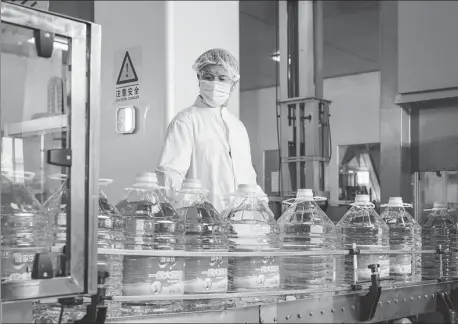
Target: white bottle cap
{"points": [[146, 177], [395, 202], [246, 188], [362, 199], [439, 205], [191, 184], [305, 193]]}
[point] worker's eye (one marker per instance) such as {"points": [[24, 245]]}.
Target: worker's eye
{"points": [[207, 77], [224, 78]]}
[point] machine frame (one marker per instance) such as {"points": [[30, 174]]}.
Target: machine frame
{"points": [[82, 124]]}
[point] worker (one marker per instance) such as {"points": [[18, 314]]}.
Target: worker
{"points": [[205, 141]]}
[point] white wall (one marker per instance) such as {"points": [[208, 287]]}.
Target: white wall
{"points": [[197, 27], [121, 156], [355, 118], [172, 35]]}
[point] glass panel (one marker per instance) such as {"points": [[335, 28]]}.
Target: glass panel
{"points": [[438, 187], [359, 167], [34, 116]]}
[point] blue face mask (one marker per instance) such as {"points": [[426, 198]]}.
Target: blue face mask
{"points": [[215, 93]]}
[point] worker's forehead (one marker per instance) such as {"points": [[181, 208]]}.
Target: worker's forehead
{"points": [[214, 69]]}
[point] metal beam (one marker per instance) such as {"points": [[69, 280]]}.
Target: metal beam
{"points": [[395, 175]]}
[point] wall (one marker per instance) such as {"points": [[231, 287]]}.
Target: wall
{"points": [[197, 27], [122, 156], [355, 118], [172, 35]]}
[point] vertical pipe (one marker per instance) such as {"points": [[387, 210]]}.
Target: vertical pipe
{"points": [[395, 126], [170, 63]]}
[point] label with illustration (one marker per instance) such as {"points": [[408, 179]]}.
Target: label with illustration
{"points": [[17, 265], [153, 276], [206, 274], [256, 273]]}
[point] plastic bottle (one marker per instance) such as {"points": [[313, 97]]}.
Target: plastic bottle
{"points": [[404, 234], [205, 231], [439, 228], [363, 226], [253, 229], [24, 226], [305, 227], [110, 236], [152, 223]]}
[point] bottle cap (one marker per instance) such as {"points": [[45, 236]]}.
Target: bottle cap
{"points": [[362, 199], [246, 188], [191, 184], [304, 193], [146, 177], [395, 202]]}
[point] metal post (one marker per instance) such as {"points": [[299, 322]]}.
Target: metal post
{"points": [[300, 78], [395, 175]]}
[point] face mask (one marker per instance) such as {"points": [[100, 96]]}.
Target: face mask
{"points": [[215, 93]]}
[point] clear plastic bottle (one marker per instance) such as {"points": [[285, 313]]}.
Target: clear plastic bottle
{"points": [[205, 231], [152, 223], [24, 226], [110, 236], [363, 226], [404, 234], [439, 228], [305, 227], [253, 229]]}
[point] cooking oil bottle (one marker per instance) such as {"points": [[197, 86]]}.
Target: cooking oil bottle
{"points": [[253, 229], [439, 228], [205, 231], [404, 235], [152, 223], [363, 226], [305, 227]]}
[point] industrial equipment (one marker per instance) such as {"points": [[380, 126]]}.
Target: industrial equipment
{"points": [[50, 73]]}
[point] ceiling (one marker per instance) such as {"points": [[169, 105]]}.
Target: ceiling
{"points": [[351, 40]]}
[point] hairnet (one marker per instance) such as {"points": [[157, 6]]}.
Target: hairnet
{"points": [[221, 57]]}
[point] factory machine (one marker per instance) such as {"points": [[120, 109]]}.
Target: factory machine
{"points": [[51, 68]]}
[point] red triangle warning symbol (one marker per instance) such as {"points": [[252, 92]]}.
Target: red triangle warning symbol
{"points": [[127, 73]]}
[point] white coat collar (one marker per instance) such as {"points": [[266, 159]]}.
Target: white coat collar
{"points": [[200, 103]]}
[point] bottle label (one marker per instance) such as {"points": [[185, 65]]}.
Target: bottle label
{"points": [[17, 265], [213, 277], [263, 273], [165, 277]]}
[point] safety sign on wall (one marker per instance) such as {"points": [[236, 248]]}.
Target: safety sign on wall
{"points": [[128, 68]]}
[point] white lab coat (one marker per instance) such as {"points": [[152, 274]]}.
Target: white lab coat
{"points": [[209, 144]]}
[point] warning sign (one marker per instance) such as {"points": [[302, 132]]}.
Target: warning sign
{"points": [[127, 73], [127, 68]]}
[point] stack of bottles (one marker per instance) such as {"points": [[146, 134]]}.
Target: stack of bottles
{"points": [[152, 223], [253, 229], [205, 231], [305, 227]]}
